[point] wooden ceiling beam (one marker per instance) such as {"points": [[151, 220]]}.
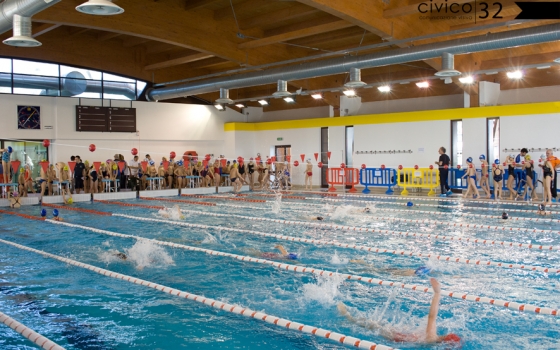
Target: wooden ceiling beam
{"points": [[293, 12], [194, 4], [240, 8], [75, 31], [328, 27], [178, 61], [107, 36], [43, 28]]}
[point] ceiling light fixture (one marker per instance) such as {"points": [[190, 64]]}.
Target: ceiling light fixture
{"points": [[349, 93], [263, 102], [467, 80], [384, 88], [515, 74], [317, 96], [557, 60], [240, 105], [423, 84], [22, 33], [491, 72], [355, 79], [544, 67], [99, 8], [289, 99], [220, 107]]}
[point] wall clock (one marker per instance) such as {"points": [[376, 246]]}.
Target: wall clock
{"points": [[29, 117]]}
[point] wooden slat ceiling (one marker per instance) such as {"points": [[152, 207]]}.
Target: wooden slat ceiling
{"points": [[166, 40]]}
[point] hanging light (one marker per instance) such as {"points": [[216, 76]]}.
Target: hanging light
{"points": [[22, 33], [384, 88], [289, 99], [423, 84], [467, 80], [240, 105], [263, 102], [515, 74], [349, 93], [220, 107], [317, 96], [100, 8]]}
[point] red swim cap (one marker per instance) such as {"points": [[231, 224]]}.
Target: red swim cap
{"points": [[452, 338]]}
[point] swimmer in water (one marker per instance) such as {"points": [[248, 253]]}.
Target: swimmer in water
{"points": [[168, 213], [421, 271], [120, 255], [542, 210], [393, 334], [284, 254], [315, 218]]}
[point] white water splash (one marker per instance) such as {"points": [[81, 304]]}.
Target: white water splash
{"points": [[324, 291], [336, 260], [277, 203], [171, 213], [145, 253]]}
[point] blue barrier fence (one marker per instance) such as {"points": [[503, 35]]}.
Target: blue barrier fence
{"points": [[377, 177]]}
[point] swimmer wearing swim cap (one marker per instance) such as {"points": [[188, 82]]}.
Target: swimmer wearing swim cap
{"points": [[285, 254], [394, 334], [505, 215], [422, 271]]}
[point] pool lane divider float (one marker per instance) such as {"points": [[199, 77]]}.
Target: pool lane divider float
{"points": [[22, 215], [235, 309], [224, 197], [178, 201], [30, 334], [66, 207], [422, 198], [270, 195], [304, 269]]}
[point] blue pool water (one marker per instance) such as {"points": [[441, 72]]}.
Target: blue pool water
{"points": [[82, 310]]}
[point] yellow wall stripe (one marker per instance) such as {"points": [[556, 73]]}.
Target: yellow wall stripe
{"points": [[403, 117]]}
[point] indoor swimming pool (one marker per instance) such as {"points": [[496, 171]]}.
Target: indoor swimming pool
{"points": [[363, 253]]}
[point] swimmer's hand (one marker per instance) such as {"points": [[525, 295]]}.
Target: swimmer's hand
{"points": [[342, 308]]}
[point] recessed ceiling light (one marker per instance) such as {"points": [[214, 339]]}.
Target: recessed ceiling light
{"points": [[423, 84], [240, 105], [467, 80], [317, 96], [263, 102], [219, 107], [384, 88], [289, 99], [515, 74], [349, 93]]}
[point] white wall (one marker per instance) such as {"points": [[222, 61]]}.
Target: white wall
{"points": [[412, 104], [163, 127], [536, 131], [532, 95], [291, 114]]}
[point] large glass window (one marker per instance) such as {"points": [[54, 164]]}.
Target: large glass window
{"points": [[349, 146], [493, 139], [456, 142], [48, 79]]}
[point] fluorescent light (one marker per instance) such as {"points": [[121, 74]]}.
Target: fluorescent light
{"points": [[219, 107], [492, 72], [515, 74], [289, 99], [423, 84], [263, 102], [384, 88], [317, 96], [349, 93], [467, 80], [240, 105], [544, 67]]}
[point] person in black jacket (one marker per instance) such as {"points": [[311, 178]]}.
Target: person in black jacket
{"points": [[443, 164], [79, 175]]}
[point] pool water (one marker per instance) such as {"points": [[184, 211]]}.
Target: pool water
{"points": [[80, 309]]}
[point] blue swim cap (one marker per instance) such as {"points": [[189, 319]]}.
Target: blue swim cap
{"points": [[482, 156], [422, 270], [10, 149], [55, 213], [409, 204], [43, 212], [292, 256], [469, 160], [152, 162], [497, 162]]}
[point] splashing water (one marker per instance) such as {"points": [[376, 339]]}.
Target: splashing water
{"points": [[109, 256], [336, 260], [209, 238], [324, 291], [342, 212], [277, 204], [145, 253], [171, 213]]}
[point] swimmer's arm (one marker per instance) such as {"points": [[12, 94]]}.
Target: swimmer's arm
{"points": [[282, 250], [431, 329]]}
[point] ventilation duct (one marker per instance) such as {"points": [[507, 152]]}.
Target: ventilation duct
{"points": [[447, 66], [339, 65], [282, 89], [25, 8], [22, 33], [73, 84], [224, 97], [355, 79]]}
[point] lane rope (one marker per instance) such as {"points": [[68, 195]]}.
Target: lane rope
{"points": [[178, 201], [224, 197], [30, 334], [76, 209], [280, 322], [292, 268]]}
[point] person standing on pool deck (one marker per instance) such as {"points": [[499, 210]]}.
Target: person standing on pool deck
{"points": [[521, 178], [390, 333], [79, 175], [555, 163], [443, 164], [6, 164], [309, 174]]}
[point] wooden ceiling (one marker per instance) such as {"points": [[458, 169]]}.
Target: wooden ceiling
{"points": [[166, 40]]}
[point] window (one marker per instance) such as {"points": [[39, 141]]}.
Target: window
{"points": [[493, 139], [456, 142], [349, 146], [28, 153], [49, 79], [324, 156]]}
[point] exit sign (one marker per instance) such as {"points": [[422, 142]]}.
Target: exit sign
{"points": [[279, 139]]}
